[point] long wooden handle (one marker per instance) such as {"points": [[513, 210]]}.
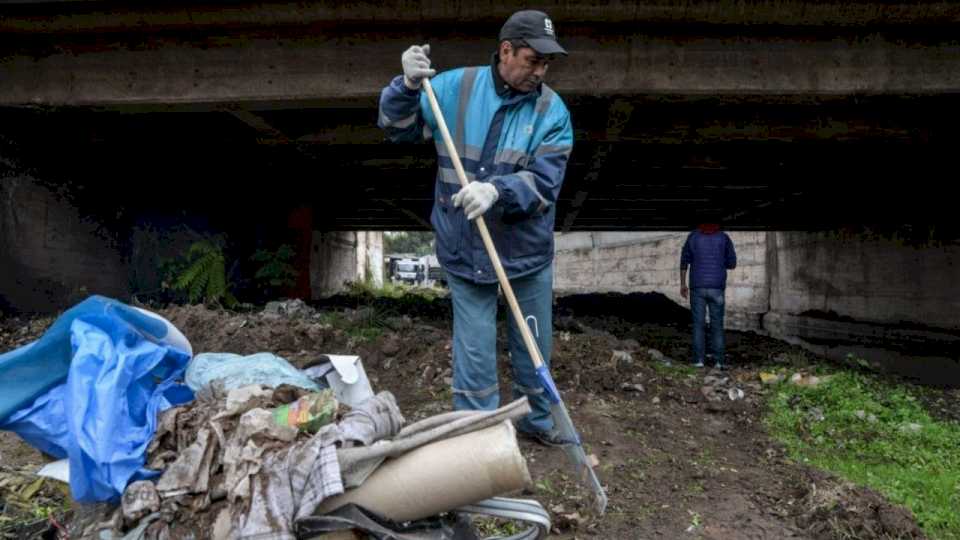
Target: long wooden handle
{"points": [[532, 347]]}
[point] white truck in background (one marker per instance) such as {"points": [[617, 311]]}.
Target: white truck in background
{"points": [[422, 271]]}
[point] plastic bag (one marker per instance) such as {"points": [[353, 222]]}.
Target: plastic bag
{"points": [[238, 371]]}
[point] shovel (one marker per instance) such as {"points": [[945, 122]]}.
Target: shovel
{"points": [[561, 419]]}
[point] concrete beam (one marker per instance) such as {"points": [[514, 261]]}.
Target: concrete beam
{"points": [[57, 17], [261, 71]]}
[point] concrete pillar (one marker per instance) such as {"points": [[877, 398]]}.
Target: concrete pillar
{"points": [[375, 257], [300, 221], [332, 262], [361, 258], [338, 257]]}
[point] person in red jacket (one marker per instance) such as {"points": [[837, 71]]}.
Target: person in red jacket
{"points": [[710, 252]]}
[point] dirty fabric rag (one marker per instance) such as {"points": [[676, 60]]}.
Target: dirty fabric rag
{"points": [[229, 463]]}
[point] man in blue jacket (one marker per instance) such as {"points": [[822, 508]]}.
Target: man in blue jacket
{"points": [[710, 252], [514, 137]]}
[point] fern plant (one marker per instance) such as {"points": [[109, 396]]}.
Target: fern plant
{"points": [[205, 277], [276, 269]]}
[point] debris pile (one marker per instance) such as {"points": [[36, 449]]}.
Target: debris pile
{"points": [[235, 464]]}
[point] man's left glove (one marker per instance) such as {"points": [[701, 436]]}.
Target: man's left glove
{"points": [[476, 198]]}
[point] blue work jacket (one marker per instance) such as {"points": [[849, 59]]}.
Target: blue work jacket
{"points": [[518, 142]]}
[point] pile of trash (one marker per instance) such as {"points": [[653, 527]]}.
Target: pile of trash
{"points": [[721, 388], [247, 462], [218, 445]]}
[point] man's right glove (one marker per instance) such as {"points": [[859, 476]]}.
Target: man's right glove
{"points": [[416, 66]]}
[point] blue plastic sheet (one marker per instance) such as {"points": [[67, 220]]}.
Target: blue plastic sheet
{"points": [[97, 379]]}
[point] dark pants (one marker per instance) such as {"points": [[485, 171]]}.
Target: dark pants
{"points": [[701, 300]]}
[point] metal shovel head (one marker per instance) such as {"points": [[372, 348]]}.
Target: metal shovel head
{"points": [[574, 450]]}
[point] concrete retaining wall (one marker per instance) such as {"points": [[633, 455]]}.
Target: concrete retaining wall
{"points": [[876, 281], [650, 262], [50, 255], [875, 299]]}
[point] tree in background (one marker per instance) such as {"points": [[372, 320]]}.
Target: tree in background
{"points": [[417, 243]]}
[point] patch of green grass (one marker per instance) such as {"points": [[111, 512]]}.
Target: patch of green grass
{"points": [[674, 369], [28, 500], [633, 469], [396, 291], [331, 318], [441, 393], [364, 333], [866, 430], [368, 326], [545, 486], [706, 458], [496, 527], [695, 521]]}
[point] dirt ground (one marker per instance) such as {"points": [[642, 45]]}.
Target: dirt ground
{"points": [[677, 456]]}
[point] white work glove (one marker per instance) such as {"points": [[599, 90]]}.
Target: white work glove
{"points": [[416, 66], [476, 198]]}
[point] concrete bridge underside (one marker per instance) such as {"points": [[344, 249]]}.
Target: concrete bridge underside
{"points": [[778, 115]]}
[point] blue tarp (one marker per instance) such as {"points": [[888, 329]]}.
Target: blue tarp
{"points": [[90, 390]]}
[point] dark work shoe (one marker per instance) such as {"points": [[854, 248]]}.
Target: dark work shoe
{"points": [[546, 438]]}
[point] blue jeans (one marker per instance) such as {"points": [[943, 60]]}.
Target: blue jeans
{"points": [[700, 300], [475, 385]]}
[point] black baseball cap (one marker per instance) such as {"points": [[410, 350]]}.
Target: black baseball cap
{"points": [[534, 27]]}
